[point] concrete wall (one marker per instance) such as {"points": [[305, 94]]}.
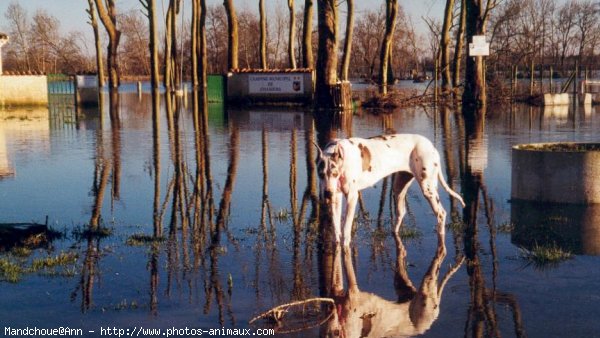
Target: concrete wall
{"points": [[23, 90], [241, 90]]}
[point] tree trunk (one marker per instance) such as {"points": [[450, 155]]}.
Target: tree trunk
{"points": [[99, 61], [263, 35], [445, 45], [292, 36], [194, 49], [474, 93], [327, 56], [348, 41], [168, 73], [203, 62], [307, 51], [458, 51], [108, 16], [172, 67], [391, 11], [232, 28], [150, 6]]}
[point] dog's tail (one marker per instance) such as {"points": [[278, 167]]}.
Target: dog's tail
{"points": [[448, 189]]}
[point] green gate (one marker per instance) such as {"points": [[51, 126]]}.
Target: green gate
{"points": [[61, 84], [215, 87]]}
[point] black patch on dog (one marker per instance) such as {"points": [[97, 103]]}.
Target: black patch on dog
{"points": [[365, 155]]}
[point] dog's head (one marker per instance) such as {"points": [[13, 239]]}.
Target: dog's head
{"points": [[329, 169]]}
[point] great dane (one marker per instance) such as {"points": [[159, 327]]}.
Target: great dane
{"points": [[347, 166]]}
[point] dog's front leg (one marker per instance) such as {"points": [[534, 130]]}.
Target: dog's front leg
{"points": [[337, 216], [351, 200]]}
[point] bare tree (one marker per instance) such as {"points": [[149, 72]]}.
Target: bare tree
{"points": [[150, 6], [458, 50], [327, 56], [108, 16], [172, 77], [445, 45], [291, 36], [475, 91], [232, 28], [18, 30], [586, 22], [307, 51], [99, 60], [263, 34], [391, 11], [135, 55], [348, 39]]}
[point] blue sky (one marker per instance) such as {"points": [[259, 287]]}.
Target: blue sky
{"points": [[72, 15]]}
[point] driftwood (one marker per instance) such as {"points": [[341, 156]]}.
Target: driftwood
{"points": [[277, 314]]}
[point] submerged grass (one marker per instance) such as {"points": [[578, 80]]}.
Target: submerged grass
{"points": [[283, 215], [13, 267], [406, 233], [545, 256], [62, 259], [140, 239], [10, 271]]}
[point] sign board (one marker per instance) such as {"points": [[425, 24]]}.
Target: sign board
{"points": [[479, 47], [275, 84], [87, 81]]}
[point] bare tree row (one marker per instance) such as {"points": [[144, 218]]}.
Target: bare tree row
{"points": [[38, 45]]}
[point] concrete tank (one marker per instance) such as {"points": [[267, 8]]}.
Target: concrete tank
{"points": [[565, 172]]}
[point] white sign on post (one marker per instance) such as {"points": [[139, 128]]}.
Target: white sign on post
{"points": [[479, 47], [275, 84]]}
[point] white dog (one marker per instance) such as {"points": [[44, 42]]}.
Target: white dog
{"points": [[347, 166]]}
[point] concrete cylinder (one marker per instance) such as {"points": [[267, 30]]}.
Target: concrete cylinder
{"points": [[556, 172]]}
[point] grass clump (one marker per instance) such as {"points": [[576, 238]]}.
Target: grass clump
{"points": [[62, 259], [10, 271], [542, 256], [282, 215], [407, 233], [140, 239], [97, 232]]}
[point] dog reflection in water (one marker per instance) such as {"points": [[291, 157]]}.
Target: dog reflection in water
{"points": [[364, 314]]}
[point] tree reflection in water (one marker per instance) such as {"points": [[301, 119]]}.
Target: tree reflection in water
{"points": [[482, 319]]}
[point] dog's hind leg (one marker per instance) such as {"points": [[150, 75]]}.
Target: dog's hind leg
{"points": [[428, 183], [400, 183]]}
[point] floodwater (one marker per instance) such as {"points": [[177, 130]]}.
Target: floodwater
{"points": [[161, 229]]}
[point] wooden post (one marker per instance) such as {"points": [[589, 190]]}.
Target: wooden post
{"points": [[435, 85], [551, 80], [576, 78], [531, 70], [512, 81], [516, 79]]}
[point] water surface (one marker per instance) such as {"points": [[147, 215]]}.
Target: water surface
{"points": [[259, 245]]}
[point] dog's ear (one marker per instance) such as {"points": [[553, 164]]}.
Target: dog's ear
{"points": [[321, 157], [339, 150]]}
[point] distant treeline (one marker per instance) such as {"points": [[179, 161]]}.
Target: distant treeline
{"points": [[521, 32]]}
